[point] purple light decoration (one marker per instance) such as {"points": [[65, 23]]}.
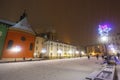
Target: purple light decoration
{"points": [[103, 30]]}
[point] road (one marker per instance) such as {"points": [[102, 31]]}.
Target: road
{"points": [[59, 69]]}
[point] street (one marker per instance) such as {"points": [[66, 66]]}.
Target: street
{"points": [[59, 69]]}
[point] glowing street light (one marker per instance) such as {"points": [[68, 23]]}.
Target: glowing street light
{"points": [[70, 52], [59, 52], [16, 49], [43, 50], [82, 52], [104, 39], [77, 52]]}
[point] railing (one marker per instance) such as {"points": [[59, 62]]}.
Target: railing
{"points": [[106, 73]]}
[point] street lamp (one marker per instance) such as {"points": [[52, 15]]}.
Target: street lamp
{"points": [[16, 49], [104, 39]]}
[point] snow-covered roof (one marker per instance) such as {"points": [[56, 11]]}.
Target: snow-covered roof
{"points": [[7, 22], [23, 25]]}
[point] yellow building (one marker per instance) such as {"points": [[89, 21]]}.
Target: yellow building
{"points": [[95, 49]]}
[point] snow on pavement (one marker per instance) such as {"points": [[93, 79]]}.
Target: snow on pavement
{"points": [[63, 69]]}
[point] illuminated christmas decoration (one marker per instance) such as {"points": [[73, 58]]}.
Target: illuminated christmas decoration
{"points": [[103, 30]]}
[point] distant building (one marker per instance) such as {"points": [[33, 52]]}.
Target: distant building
{"points": [[55, 49], [19, 41], [50, 34], [95, 49]]}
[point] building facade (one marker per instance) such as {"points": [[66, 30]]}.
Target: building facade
{"points": [[4, 25], [39, 41], [3, 32], [19, 41], [95, 49], [55, 49]]}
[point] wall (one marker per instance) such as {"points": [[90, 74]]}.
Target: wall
{"points": [[3, 32], [21, 45]]}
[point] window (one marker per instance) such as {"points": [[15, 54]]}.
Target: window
{"points": [[31, 46], [10, 43], [23, 38]]}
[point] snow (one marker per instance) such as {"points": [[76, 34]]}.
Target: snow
{"points": [[59, 69]]}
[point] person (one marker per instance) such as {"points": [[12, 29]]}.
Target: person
{"points": [[88, 56], [97, 56], [102, 56], [118, 55]]}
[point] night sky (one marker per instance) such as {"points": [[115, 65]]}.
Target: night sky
{"points": [[75, 21]]}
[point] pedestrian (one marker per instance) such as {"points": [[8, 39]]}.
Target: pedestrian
{"points": [[88, 57], [102, 56], [97, 56], [118, 55]]}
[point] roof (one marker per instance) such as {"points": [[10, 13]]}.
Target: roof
{"points": [[7, 22], [23, 25]]}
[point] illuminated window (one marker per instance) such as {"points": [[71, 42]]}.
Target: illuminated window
{"points": [[10, 43]]}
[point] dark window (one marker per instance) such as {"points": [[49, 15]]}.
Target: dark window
{"points": [[31, 46], [10, 43], [23, 38]]}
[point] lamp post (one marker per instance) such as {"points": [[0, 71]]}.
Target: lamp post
{"points": [[104, 32]]}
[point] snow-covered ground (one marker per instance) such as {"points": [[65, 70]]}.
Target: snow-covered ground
{"points": [[63, 69]]}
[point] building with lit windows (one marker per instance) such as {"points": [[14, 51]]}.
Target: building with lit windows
{"points": [[95, 49], [56, 49], [20, 40]]}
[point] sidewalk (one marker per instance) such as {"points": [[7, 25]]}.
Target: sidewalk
{"points": [[118, 71], [20, 60]]}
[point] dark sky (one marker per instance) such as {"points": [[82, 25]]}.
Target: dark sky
{"points": [[75, 21]]}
